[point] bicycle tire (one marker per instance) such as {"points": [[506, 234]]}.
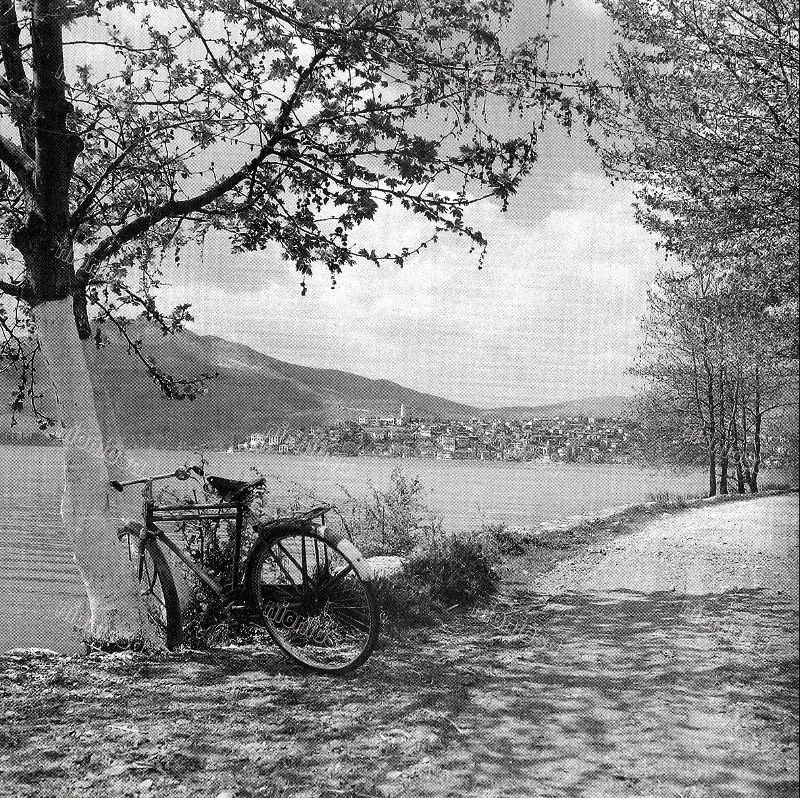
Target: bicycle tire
{"points": [[336, 637], [156, 578]]}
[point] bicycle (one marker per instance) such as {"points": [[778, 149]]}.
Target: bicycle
{"points": [[303, 582]]}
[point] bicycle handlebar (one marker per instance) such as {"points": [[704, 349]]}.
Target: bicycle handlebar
{"points": [[178, 473]]}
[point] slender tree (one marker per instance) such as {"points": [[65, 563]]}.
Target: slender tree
{"points": [[678, 405], [711, 379], [127, 127]]}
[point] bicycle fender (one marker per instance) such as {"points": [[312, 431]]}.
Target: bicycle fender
{"points": [[360, 563], [129, 526]]}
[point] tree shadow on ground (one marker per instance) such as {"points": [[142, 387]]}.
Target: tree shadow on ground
{"points": [[596, 695]]}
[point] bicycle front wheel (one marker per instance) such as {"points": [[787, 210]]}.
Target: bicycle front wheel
{"points": [[157, 590], [307, 593]]}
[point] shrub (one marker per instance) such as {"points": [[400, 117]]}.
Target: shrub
{"points": [[778, 486], [394, 521], [450, 571], [206, 615], [209, 542], [455, 570], [508, 541], [671, 501]]}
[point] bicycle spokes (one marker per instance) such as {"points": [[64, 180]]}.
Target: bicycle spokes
{"points": [[313, 602]]}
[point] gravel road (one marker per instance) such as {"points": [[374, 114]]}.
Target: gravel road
{"points": [[746, 545]]}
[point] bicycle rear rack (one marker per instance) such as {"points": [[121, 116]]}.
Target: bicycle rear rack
{"points": [[196, 512]]}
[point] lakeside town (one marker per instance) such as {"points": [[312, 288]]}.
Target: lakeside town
{"points": [[558, 439], [577, 439], [542, 439]]}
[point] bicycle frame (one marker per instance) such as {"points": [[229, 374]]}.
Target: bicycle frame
{"points": [[220, 511]]}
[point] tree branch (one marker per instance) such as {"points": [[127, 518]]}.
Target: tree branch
{"points": [[112, 244], [15, 71], [17, 290], [20, 164], [86, 202]]}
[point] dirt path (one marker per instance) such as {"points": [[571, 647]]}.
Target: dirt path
{"points": [[624, 687], [735, 545]]}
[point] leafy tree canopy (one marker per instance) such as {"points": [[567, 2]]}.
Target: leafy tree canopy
{"points": [[127, 126], [706, 123]]}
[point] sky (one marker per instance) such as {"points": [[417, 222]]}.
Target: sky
{"points": [[552, 315]]}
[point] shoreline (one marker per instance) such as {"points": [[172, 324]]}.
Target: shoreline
{"points": [[337, 456]]}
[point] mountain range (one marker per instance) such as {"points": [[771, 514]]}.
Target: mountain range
{"points": [[253, 392]]}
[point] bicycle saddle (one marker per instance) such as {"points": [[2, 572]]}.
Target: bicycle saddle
{"points": [[232, 489]]}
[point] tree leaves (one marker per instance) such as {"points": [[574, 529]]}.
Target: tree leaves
{"points": [[706, 126]]}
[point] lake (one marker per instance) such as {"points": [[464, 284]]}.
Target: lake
{"points": [[41, 593]]}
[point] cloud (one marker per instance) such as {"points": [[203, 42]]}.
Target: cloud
{"points": [[552, 314]]}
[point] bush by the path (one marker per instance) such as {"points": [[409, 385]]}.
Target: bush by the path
{"points": [[390, 521], [449, 572]]}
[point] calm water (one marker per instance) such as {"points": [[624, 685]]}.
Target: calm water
{"points": [[41, 593]]}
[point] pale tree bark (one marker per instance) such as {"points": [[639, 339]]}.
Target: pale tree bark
{"points": [[127, 504], [117, 615], [44, 167]]}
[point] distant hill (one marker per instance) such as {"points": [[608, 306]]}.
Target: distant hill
{"points": [[597, 406], [254, 391]]}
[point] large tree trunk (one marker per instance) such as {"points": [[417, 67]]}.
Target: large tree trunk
{"points": [[50, 146], [117, 615]]}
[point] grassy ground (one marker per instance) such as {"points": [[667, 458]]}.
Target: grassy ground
{"points": [[529, 695]]}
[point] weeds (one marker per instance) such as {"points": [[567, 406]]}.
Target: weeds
{"points": [[508, 541], [672, 501], [210, 543], [450, 572], [778, 487], [439, 570], [205, 616], [394, 521]]}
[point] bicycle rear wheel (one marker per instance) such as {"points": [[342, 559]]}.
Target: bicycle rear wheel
{"points": [[307, 593], [157, 590]]}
